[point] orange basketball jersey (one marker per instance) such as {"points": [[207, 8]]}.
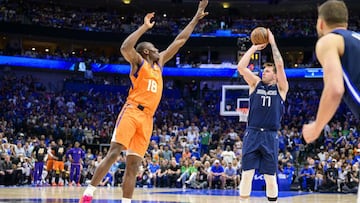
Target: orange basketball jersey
{"points": [[147, 86]]}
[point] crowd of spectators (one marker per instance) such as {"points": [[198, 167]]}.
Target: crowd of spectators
{"points": [[191, 146], [56, 15], [51, 14]]}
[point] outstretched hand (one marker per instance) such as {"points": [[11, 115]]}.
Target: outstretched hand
{"points": [[201, 9], [271, 37], [147, 20]]}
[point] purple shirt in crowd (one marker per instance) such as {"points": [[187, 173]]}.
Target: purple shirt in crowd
{"points": [[77, 155]]}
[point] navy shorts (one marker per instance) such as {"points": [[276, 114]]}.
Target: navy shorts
{"points": [[260, 151]]}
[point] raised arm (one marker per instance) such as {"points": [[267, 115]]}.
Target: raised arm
{"points": [[184, 35], [250, 78], [128, 46], [327, 52], [279, 64]]}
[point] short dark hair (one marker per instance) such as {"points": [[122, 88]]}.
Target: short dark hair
{"points": [[269, 64], [141, 46], [334, 13]]}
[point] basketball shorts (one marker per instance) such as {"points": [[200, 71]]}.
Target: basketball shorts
{"points": [[260, 151], [50, 164], [58, 166], [133, 129]]}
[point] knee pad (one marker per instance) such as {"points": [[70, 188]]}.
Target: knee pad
{"points": [[271, 187], [246, 182]]}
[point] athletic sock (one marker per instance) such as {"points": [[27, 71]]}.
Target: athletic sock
{"points": [[89, 191]]}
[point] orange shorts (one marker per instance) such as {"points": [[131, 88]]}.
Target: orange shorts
{"points": [[133, 129], [50, 164], [58, 166]]}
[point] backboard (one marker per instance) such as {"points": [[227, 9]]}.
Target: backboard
{"points": [[233, 98]]}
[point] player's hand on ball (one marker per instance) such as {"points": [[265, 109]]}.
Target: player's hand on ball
{"points": [[271, 37], [260, 46], [147, 20]]}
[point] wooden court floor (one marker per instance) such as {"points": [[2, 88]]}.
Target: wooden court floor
{"points": [[157, 195]]}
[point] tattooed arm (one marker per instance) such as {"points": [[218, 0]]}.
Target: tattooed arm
{"points": [[279, 64]]}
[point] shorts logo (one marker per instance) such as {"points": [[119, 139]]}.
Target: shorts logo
{"points": [[259, 177]]}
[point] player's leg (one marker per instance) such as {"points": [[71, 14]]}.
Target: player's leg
{"points": [[246, 184], [124, 131], [358, 194], [269, 164], [271, 187], [251, 161], [57, 173], [35, 173], [137, 148], [78, 175], [49, 168], [72, 173], [106, 163], [133, 163]]}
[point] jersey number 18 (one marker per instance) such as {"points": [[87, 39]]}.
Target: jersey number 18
{"points": [[152, 86]]}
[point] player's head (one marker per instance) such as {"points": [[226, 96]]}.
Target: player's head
{"points": [[52, 143], [331, 14], [269, 73], [60, 142], [77, 144], [148, 51]]}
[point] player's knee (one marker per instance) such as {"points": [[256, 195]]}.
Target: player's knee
{"points": [[270, 180], [132, 165], [115, 151], [245, 184], [248, 175]]}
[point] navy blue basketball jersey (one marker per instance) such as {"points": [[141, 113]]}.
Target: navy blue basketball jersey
{"points": [[350, 61], [266, 107]]}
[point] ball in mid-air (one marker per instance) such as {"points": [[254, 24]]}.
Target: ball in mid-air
{"points": [[259, 36]]}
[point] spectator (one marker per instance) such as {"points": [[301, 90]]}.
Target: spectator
{"points": [[306, 178], [331, 176], [205, 138], [173, 173], [162, 177], [230, 175], [216, 175]]}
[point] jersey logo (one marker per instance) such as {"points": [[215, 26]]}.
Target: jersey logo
{"points": [[264, 92]]}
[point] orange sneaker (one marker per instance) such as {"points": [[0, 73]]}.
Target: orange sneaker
{"points": [[85, 199], [54, 184], [61, 184], [70, 184], [79, 185]]}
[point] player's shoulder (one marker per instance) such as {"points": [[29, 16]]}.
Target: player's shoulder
{"points": [[330, 40]]}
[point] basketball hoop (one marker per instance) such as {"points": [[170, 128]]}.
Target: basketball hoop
{"points": [[243, 114]]}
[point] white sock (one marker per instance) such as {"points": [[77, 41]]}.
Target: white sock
{"points": [[125, 200], [89, 191]]}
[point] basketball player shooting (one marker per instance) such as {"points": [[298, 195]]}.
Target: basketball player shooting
{"points": [[135, 121], [267, 96]]}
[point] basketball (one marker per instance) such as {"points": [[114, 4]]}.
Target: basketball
{"points": [[259, 36]]}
